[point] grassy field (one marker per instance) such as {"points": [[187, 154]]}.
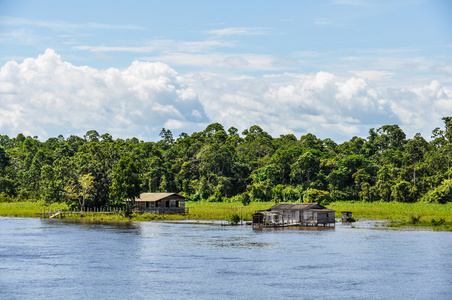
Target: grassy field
{"points": [[223, 211], [198, 211], [417, 215], [25, 209], [420, 215]]}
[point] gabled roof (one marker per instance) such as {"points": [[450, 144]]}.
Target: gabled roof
{"points": [[296, 206], [153, 197]]}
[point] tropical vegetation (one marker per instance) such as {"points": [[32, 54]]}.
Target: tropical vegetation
{"points": [[219, 165]]}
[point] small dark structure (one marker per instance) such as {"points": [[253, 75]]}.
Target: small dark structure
{"points": [[346, 216], [294, 214], [161, 203]]}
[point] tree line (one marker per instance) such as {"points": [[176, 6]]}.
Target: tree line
{"points": [[223, 165]]}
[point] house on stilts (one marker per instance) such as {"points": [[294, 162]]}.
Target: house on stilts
{"points": [[161, 203], [294, 214]]}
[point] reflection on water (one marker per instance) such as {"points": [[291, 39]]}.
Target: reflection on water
{"points": [[50, 258]]}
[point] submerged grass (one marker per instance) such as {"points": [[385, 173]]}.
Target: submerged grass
{"points": [[400, 215], [224, 210], [208, 211], [418, 215]]}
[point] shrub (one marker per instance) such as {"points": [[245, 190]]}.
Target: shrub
{"points": [[235, 219], [441, 194], [414, 219], [245, 199], [318, 196], [439, 222]]}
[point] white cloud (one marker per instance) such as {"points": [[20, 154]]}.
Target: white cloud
{"points": [[243, 61], [162, 46], [47, 96], [444, 68], [239, 31], [61, 25], [321, 103], [373, 75], [21, 37]]}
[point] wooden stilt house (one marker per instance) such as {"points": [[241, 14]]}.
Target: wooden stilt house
{"points": [[293, 214], [161, 203]]}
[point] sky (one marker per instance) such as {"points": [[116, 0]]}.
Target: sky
{"points": [[333, 68]]}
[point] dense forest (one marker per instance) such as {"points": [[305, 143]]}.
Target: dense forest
{"points": [[224, 165]]}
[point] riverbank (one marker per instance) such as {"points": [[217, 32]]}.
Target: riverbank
{"points": [[399, 215], [207, 211]]}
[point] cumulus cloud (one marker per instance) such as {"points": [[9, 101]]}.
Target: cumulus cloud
{"points": [[321, 103], [47, 96]]}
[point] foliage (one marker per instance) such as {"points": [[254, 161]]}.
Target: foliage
{"points": [[395, 211], [414, 219], [441, 194], [434, 216], [235, 219], [217, 165], [317, 196], [80, 190], [126, 184]]}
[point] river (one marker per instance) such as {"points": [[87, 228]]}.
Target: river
{"points": [[55, 259]]}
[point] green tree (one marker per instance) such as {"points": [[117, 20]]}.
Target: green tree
{"points": [[7, 187], [318, 196], [305, 168], [51, 189], [415, 150], [126, 184], [4, 161], [441, 194], [391, 137], [81, 190]]}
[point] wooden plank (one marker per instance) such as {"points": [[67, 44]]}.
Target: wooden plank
{"points": [[55, 215]]}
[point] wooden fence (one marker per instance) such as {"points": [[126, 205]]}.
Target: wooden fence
{"points": [[162, 210], [55, 212]]}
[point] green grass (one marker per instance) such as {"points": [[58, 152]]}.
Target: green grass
{"points": [[223, 210], [208, 211], [25, 209], [417, 215], [400, 215]]}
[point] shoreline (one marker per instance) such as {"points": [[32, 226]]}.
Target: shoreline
{"points": [[374, 224], [405, 216]]}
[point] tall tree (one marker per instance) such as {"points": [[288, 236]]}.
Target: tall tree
{"points": [[81, 190], [126, 184]]}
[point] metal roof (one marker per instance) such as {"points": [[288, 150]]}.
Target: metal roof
{"points": [[153, 197]]}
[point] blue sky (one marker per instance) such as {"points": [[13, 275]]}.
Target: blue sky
{"points": [[335, 68]]}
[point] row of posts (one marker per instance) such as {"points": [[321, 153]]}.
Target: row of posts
{"points": [[44, 212]]}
